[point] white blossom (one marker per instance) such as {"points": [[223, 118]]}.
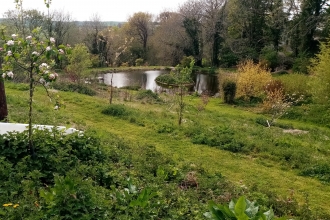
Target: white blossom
{"points": [[14, 36], [35, 53], [48, 48], [52, 40], [9, 53], [60, 51], [10, 74], [4, 75], [28, 37], [52, 76], [43, 66], [10, 43]]}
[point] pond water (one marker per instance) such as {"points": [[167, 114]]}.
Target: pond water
{"points": [[146, 80]]}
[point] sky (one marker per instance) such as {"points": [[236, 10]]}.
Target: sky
{"points": [[108, 10]]}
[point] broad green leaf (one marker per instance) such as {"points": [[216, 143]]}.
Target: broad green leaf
{"points": [[240, 206], [215, 212], [251, 209], [269, 214]]}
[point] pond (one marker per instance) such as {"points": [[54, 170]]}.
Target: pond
{"points": [[146, 80]]}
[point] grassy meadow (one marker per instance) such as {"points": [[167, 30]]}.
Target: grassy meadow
{"points": [[277, 166]]}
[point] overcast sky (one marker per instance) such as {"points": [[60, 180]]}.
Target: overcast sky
{"points": [[109, 10]]}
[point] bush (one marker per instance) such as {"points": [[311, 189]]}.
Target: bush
{"points": [[228, 58], [185, 61], [320, 70], [269, 57], [116, 110], [166, 79], [148, 95], [73, 87], [139, 62], [295, 83], [252, 79], [320, 171], [274, 102], [165, 128], [301, 64], [229, 91], [222, 137]]}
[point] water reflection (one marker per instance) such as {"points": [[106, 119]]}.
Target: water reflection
{"points": [[206, 84], [146, 80]]}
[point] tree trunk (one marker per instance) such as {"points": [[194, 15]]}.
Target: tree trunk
{"points": [[31, 148], [3, 102], [111, 92]]}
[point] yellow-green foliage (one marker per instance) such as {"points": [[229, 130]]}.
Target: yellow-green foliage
{"points": [[320, 70], [251, 80], [295, 83]]}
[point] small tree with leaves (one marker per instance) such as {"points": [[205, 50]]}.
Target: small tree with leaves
{"points": [[33, 55], [79, 60], [183, 78]]}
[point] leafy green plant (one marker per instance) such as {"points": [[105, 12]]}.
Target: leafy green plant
{"points": [[116, 110], [320, 171], [139, 62], [79, 60], [243, 209], [148, 95], [73, 87]]}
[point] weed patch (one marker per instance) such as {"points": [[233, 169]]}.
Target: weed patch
{"points": [[74, 87]]}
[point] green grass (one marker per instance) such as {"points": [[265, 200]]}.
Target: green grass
{"points": [[270, 160]]}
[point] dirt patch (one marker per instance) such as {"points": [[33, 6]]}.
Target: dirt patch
{"points": [[295, 131]]}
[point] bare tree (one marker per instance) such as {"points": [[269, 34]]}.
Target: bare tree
{"points": [[170, 39], [213, 24], [140, 27], [92, 29]]}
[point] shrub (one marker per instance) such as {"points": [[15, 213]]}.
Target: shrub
{"points": [[148, 95], [320, 70], [269, 57], [228, 58], [166, 79], [229, 91], [73, 87], [252, 79], [320, 171], [126, 64], [139, 62], [116, 110], [274, 99], [185, 61], [165, 128], [295, 83], [262, 121], [301, 64]]}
